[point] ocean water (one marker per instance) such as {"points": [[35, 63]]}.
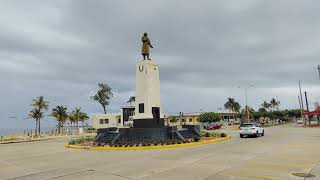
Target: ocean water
{"points": [[8, 131]]}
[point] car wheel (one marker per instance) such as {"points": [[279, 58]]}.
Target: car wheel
{"points": [[262, 133], [241, 136], [257, 134]]}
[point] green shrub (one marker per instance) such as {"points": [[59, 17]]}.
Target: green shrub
{"points": [[223, 135], [208, 134], [212, 134], [81, 140]]}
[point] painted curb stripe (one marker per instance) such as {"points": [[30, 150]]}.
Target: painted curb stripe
{"points": [[146, 147]]}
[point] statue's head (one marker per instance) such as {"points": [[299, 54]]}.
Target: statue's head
{"points": [[145, 34]]}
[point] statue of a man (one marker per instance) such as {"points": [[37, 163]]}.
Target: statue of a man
{"points": [[145, 46]]}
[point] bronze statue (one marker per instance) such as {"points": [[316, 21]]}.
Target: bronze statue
{"points": [[145, 46]]}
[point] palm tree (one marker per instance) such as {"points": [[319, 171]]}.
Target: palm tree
{"points": [[40, 104], [77, 114], [131, 100], [103, 96], [72, 120], [232, 105], [266, 105], [84, 116], [273, 103], [61, 115], [36, 115]]}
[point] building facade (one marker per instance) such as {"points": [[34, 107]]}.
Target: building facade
{"points": [[107, 120]]}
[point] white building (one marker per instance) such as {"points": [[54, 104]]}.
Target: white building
{"points": [[107, 120], [119, 120]]}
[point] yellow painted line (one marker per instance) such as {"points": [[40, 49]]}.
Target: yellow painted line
{"points": [[267, 169], [299, 159], [147, 147], [256, 176], [301, 146], [282, 164]]}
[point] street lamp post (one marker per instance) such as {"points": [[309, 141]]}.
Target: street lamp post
{"points": [[319, 70], [246, 99]]}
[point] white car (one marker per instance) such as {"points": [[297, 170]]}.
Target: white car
{"points": [[251, 129], [299, 121]]}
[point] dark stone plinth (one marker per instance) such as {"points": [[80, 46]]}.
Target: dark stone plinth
{"points": [[148, 123], [130, 134], [192, 128], [152, 132]]}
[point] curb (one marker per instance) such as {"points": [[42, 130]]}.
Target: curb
{"points": [[146, 147], [23, 141]]}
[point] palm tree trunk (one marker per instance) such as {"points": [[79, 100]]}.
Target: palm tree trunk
{"points": [[71, 128], [59, 127], [35, 132], [78, 127], [39, 127], [104, 109]]}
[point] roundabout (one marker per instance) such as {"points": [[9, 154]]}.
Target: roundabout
{"points": [[130, 148]]}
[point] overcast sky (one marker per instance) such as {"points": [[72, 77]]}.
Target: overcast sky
{"points": [[61, 49]]}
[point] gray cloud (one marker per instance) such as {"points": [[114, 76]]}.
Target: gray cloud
{"points": [[62, 49]]}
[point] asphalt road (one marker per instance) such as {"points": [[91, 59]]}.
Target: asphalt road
{"points": [[282, 151]]}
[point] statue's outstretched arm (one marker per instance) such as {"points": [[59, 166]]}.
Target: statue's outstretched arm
{"points": [[150, 44]]}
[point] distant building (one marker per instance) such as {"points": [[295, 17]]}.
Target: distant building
{"points": [[227, 117], [107, 120], [185, 119], [122, 119]]}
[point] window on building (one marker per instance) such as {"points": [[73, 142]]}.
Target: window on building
{"points": [[119, 120], [198, 119], [190, 119], [178, 119], [183, 120], [101, 121], [106, 121], [141, 108]]}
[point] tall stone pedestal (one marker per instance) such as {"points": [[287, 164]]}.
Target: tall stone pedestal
{"points": [[148, 121], [148, 112]]}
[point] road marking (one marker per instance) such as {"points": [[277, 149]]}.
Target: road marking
{"points": [[299, 159], [256, 176], [267, 169], [282, 164]]}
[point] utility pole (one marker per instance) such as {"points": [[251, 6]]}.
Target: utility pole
{"points": [[302, 108], [319, 70], [246, 98], [305, 95], [247, 108]]}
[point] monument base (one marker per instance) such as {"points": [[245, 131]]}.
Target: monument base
{"points": [[148, 123], [147, 135]]}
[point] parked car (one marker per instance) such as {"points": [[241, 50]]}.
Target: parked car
{"points": [[251, 129], [299, 121], [214, 126]]}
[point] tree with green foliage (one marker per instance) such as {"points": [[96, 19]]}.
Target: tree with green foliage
{"points": [[274, 104], [131, 100], [209, 117], [232, 105], [40, 105], [36, 114], [262, 109], [83, 117], [61, 115], [266, 105], [103, 96]]}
